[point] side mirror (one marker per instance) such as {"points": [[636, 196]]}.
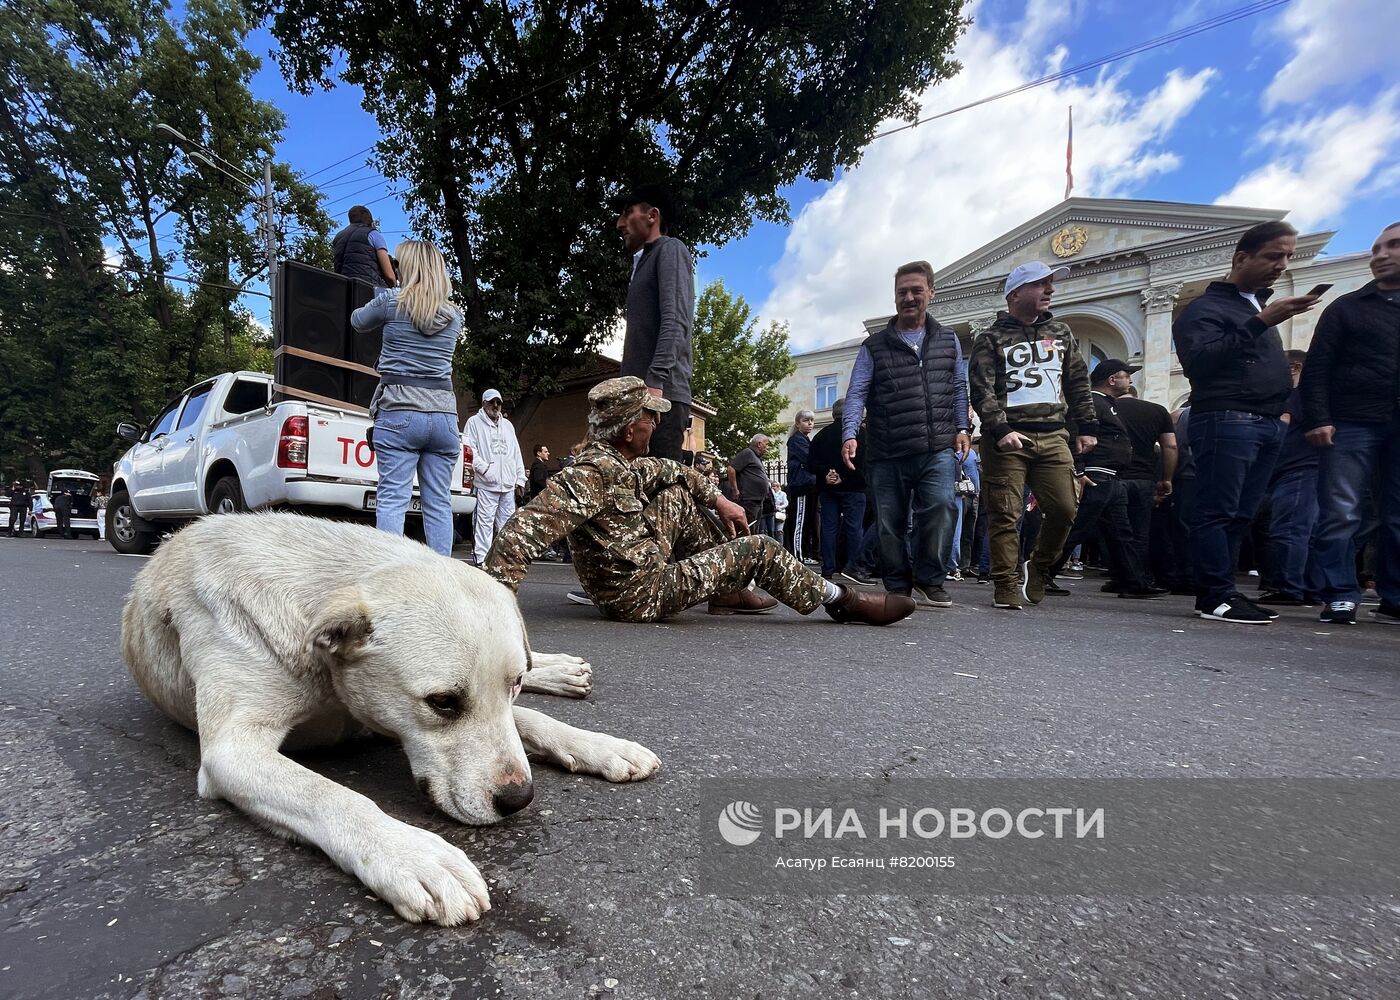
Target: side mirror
{"points": [[128, 432]]}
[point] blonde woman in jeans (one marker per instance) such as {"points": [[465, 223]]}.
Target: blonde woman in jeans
{"points": [[414, 409]]}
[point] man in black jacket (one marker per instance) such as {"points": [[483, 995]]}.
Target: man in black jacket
{"points": [[1229, 346], [660, 310], [1103, 503], [1351, 410], [361, 252], [910, 384], [841, 491]]}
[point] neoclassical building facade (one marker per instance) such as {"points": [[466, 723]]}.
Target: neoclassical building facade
{"points": [[1133, 266]]}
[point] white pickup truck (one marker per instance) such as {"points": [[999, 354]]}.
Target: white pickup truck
{"points": [[224, 445]]}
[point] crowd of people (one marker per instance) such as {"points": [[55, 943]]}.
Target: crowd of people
{"points": [[1067, 465]]}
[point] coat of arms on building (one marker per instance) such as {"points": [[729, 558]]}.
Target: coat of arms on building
{"points": [[1069, 241]]}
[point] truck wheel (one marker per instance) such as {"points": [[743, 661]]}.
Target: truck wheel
{"points": [[122, 532], [227, 497]]}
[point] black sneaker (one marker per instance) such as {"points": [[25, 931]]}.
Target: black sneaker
{"points": [[855, 576], [1237, 610], [1052, 589], [1069, 574], [984, 578], [1257, 607], [1339, 613], [1386, 614], [1140, 593], [579, 597], [1279, 598], [932, 597]]}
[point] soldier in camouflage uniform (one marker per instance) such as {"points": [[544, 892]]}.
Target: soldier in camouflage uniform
{"points": [[642, 548]]}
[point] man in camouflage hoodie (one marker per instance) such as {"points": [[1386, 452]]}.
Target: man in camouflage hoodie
{"points": [[643, 550], [1025, 371]]}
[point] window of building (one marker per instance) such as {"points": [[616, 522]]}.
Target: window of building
{"points": [[826, 391]]}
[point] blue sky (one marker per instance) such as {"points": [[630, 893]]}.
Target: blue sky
{"points": [[1296, 108]]}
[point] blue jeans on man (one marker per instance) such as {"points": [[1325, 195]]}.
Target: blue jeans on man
{"points": [[842, 513], [1292, 515], [1235, 453], [406, 441], [921, 485], [1359, 451]]}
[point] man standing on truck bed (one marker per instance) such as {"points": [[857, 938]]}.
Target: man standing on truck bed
{"points": [[361, 253]]}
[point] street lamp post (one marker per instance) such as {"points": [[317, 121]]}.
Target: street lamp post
{"points": [[264, 201]]}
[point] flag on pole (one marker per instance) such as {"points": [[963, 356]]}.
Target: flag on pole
{"points": [[1069, 155]]}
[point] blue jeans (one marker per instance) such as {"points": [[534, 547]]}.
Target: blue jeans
{"points": [[927, 480], [1292, 514], [406, 441], [841, 512], [1235, 453], [1358, 452], [954, 560]]}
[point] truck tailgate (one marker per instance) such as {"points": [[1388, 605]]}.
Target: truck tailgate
{"points": [[337, 448]]}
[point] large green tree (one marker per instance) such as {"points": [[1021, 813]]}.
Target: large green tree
{"points": [[737, 369], [101, 216], [511, 122]]}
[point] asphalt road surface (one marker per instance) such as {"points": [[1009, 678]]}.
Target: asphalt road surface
{"points": [[117, 881]]}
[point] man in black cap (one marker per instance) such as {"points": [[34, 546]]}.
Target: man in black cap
{"points": [[1147, 478], [660, 309], [19, 508], [643, 550], [1103, 504]]}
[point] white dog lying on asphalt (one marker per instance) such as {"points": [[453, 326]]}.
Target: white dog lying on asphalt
{"points": [[270, 631]]}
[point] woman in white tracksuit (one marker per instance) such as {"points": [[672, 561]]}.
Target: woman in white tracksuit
{"points": [[499, 470]]}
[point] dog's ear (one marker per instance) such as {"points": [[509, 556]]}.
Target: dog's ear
{"points": [[343, 629]]}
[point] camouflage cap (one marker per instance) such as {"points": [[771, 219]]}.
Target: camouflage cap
{"points": [[622, 398]]}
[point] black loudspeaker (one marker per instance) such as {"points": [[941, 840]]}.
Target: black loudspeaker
{"points": [[315, 309], [361, 348]]}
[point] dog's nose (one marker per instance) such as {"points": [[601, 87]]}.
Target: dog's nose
{"points": [[513, 797]]}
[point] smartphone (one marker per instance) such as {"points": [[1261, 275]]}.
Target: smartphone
{"points": [[1318, 290]]}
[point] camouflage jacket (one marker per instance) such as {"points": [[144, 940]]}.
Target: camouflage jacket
{"points": [[1022, 377], [600, 503]]}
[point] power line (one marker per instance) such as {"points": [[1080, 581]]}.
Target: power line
{"points": [[188, 280], [1209, 23]]}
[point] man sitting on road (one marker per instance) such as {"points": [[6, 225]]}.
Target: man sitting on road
{"points": [[642, 548]]}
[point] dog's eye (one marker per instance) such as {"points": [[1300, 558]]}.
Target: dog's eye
{"points": [[447, 704]]}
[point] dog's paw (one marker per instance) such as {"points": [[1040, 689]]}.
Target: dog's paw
{"points": [[608, 757], [422, 876], [560, 674]]}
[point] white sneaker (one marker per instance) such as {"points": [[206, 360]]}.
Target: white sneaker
{"points": [[579, 597]]}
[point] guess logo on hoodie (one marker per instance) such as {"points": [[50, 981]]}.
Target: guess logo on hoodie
{"points": [[1034, 371]]}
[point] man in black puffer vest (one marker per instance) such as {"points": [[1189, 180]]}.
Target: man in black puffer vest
{"points": [[361, 253], [910, 384]]}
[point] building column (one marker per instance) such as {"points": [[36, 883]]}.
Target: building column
{"points": [[1157, 353]]}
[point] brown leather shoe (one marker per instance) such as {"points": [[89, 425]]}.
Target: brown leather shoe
{"points": [[870, 607], [742, 602]]}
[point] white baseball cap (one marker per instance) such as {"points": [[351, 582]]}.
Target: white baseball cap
{"points": [[489, 395], [1031, 271]]}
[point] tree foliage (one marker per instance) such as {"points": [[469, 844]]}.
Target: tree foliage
{"points": [[101, 214], [737, 369], [512, 122]]}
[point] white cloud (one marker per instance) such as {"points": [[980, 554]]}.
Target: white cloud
{"points": [[1319, 163], [1334, 147], [1333, 44], [939, 191]]}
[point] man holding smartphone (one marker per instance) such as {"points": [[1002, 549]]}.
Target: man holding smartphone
{"points": [[1230, 348], [1351, 411]]}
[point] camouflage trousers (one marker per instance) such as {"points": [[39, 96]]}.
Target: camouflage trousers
{"points": [[698, 564]]}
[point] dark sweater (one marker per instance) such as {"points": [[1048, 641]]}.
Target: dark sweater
{"points": [[1353, 367], [660, 317], [1233, 361], [825, 455]]}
